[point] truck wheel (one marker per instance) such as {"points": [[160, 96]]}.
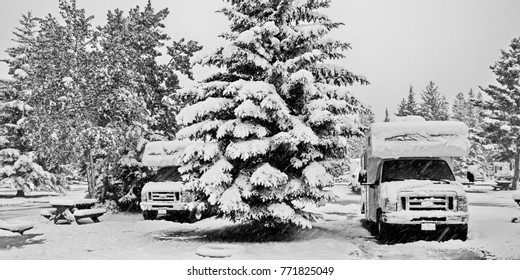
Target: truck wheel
{"points": [[462, 233], [382, 228], [149, 215], [193, 217]]}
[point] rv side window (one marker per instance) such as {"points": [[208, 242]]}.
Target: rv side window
{"points": [[169, 173], [416, 169]]}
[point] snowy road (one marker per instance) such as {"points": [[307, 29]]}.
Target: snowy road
{"points": [[340, 235]]}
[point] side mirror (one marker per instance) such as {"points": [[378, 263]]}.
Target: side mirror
{"points": [[362, 178]]}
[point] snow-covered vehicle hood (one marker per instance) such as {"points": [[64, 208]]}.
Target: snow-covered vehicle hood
{"points": [[167, 186], [390, 190]]}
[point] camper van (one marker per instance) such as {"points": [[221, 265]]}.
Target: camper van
{"points": [[165, 194], [409, 179]]}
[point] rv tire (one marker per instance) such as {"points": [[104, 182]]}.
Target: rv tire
{"points": [[462, 233], [381, 228], [149, 215]]}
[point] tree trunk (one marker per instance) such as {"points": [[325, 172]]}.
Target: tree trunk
{"points": [[516, 172], [91, 176], [106, 182]]}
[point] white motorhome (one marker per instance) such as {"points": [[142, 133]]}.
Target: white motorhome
{"points": [[503, 173], [166, 193], [409, 177], [503, 170]]}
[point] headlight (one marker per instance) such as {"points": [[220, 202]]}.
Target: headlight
{"points": [[390, 207], [462, 204], [186, 196], [144, 197]]}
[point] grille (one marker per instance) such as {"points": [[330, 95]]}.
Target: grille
{"points": [[427, 203], [166, 196]]}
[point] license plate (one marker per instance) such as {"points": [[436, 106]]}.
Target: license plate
{"points": [[428, 226], [164, 212]]}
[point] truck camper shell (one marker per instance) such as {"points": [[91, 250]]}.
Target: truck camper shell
{"points": [[164, 153], [414, 139]]}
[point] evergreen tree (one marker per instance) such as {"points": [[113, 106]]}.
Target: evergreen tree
{"points": [[474, 112], [401, 108], [18, 168], [433, 106], [276, 119], [408, 106], [502, 121], [387, 116], [464, 110], [460, 108], [96, 92], [412, 106], [356, 144]]}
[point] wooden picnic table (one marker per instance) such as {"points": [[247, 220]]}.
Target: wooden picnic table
{"points": [[72, 210]]}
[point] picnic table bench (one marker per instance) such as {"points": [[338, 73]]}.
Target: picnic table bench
{"points": [[18, 227], [73, 210]]}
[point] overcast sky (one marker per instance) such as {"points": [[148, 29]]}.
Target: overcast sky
{"points": [[396, 43]]}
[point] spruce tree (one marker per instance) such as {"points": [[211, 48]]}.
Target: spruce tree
{"points": [[401, 108], [275, 121], [501, 124], [408, 106], [460, 107], [464, 110], [387, 116], [412, 108], [19, 169], [433, 106]]}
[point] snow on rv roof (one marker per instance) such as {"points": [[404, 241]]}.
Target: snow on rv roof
{"points": [[164, 153], [419, 139], [407, 119]]}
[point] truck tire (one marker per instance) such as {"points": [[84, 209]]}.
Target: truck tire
{"points": [[194, 217], [381, 228], [149, 215], [462, 233]]}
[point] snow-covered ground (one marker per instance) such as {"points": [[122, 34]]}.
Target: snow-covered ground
{"points": [[339, 235]]}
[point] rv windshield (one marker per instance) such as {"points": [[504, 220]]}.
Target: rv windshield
{"points": [[416, 169], [169, 173]]}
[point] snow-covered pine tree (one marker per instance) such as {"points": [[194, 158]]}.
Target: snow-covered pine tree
{"points": [[474, 112], [433, 106], [464, 110], [356, 144], [277, 118], [501, 111], [412, 108], [18, 167], [460, 107], [401, 108], [408, 106]]}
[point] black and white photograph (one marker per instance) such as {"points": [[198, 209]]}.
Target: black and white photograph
{"points": [[215, 132]]}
